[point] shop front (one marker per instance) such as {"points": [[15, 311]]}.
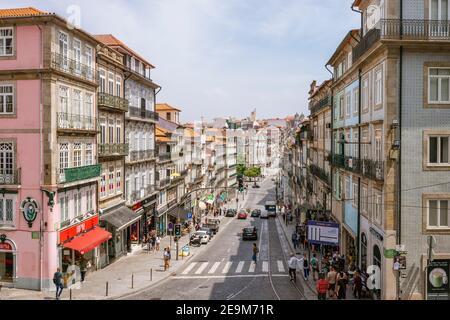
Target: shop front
{"points": [[161, 222], [147, 223], [7, 261], [348, 245], [79, 249]]}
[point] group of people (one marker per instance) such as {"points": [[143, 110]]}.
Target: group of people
{"points": [[298, 240], [153, 242]]}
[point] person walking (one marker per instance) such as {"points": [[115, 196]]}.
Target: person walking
{"points": [[341, 285], [57, 280], [158, 242], [293, 264], [83, 268], [322, 287], [306, 267], [255, 252], [153, 243], [166, 256], [357, 285], [294, 240], [314, 266], [331, 277]]}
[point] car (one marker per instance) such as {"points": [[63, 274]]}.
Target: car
{"points": [[213, 221], [212, 226], [203, 235], [250, 233], [208, 230], [264, 215], [242, 215], [256, 213], [230, 213]]}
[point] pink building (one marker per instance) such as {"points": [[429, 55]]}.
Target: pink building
{"points": [[48, 145]]}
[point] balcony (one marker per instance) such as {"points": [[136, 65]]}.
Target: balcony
{"points": [[184, 173], [143, 114], [10, 177], [143, 76], [74, 68], [164, 156], [320, 173], [322, 104], [353, 164], [373, 169], [112, 149], [141, 155], [68, 175], [338, 160], [406, 29], [140, 194], [75, 122], [172, 202], [112, 102], [161, 184]]}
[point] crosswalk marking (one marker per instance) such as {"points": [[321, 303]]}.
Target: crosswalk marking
{"points": [[202, 267], [214, 267], [239, 267], [227, 267], [188, 269], [280, 266], [265, 266], [252, 268]]}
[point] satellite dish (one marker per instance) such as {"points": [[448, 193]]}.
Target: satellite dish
{"points": [[373, 16]]}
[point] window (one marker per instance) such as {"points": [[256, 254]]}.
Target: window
{"points": [[102, 81], [378, 146], [438, 153], [111, 83], [64, 208], [439, 85], [341, 107], [348, 104], [347, 195], [102, 131], [118, 86], [89, 201], [377, 206], [118, 180], [118, 132], [103, 185], [111, 131], [6, 41], [356, 145], [438, 214], [88, 154], [168, 116], [88, 103], [64, 49], [365, 149], [378, 87], [77, 204], [88, 58], [77, 55], [364, 200], [77, 159], [355, 101], [63, 100], [77, 103], [63, 157], [365, 94], [6, 161], [111, 181], [7, 209], [355, 195], [6, 99]]}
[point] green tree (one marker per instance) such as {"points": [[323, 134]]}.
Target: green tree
{"points": [[240, 170]]}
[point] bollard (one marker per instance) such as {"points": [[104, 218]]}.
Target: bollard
{"points": [[132, 281], [106, 288], [151, 274], [70, 294]]}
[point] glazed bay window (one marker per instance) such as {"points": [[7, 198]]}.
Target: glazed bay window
{"points": [[77, 158], [6, 42], [7, 210], [438, 153], [438, 214], [439, 85], [63, 157], [6, 99], [88, 153]]}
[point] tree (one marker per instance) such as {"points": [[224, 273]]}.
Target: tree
{"points": [[252, 172], [240, 170]]}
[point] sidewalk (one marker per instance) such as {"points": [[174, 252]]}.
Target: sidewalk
{"points": [[140, 265]]}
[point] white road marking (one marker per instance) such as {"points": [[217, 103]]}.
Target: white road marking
{"points": [[227, 267], [214, 267], [252, 268], [240, 266], [280, 266], [265, 266], [230, 276], [188, 269], [202, 267]]}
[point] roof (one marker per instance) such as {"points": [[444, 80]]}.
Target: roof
{"points": [[356, 3], [290, 118], [161, 135], [112, 41], [121, 217], [21, 12], [165, 107], [324, 84], [350, 35]]}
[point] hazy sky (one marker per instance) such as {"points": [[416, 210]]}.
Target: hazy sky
{"points": [[223, 57]]}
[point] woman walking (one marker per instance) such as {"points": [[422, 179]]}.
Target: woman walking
{"points": [[166, 257], [255, 252], [158, 242], [341, 285]]}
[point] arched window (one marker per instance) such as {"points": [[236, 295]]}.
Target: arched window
{"points": [[7, 261], [376, 256]]}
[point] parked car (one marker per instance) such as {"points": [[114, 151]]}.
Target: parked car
{"points": [[230, 213], [195, 240], [213, 221], [203, 235], [256, 213], [242, 215], [264, 215], [250, 233], [212, 226], [208, 230]]}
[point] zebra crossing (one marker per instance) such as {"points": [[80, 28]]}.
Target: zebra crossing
{"points": [[234, 268]]}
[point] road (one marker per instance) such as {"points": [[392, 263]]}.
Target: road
{"points": [[224, 270]]}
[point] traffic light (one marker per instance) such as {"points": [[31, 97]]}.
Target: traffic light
{"points": [[178, 230], [241, 184]]}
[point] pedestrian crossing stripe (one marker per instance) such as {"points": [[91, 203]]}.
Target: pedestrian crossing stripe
{"points": [[240, 267], [280, 266], [214, 267], [265, 266], [252, 268], [189, 268], [202, 267], [227, 267]]}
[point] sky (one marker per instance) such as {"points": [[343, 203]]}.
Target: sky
{"points": [[219, 58]]}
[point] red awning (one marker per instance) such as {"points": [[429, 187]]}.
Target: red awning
{"points": [[88, 241]]}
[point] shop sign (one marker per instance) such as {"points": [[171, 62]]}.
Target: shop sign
{"points": [[75, 230], [6, 246], [437, 280], [30, 209], [35, 235], [326, 233], [136, 206], [390, 253]]}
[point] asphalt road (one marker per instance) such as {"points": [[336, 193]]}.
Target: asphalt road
{"points": [[224, 270]]}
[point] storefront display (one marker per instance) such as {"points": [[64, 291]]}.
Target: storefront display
{"points": [[6, 262]]}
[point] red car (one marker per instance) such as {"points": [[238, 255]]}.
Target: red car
{"points": [[242, 215]]}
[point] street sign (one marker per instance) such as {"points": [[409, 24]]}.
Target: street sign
{"points": [[170, 227], [326, 233], [189, 215]]}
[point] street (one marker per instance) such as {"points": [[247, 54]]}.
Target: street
{"points": [[225, 271]]}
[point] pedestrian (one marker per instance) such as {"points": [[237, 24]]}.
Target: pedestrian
{"points": [[293, 264], [149, 243], [331, 277], [158, 242], [314, 266], [302, 240], [57, 280], [166, 257], [341, 285], [83, 268], [322, 287], [255, 252], [306, 267], [357, 285], [341, 263], [294, 240], [153, 243]]}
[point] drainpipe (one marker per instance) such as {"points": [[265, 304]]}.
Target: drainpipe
{"points": [[362, 18], [41, 156], [358, 229]]}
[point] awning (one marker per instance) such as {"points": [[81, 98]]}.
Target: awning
{"points": [[121, 217], [88, 241], [181, 213]]}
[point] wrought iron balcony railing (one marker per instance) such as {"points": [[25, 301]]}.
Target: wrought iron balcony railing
{"points": [[352, 164], [143, 114], [373, 169], [67, 121], [161, 184], [75, 68], [338, 160], [141, 155], [320, 173], [318, 106], [164, 156], [112, 149], [113, 102], [10, 177]]}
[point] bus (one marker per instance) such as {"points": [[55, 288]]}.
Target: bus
{"points": [[271, 208]]}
